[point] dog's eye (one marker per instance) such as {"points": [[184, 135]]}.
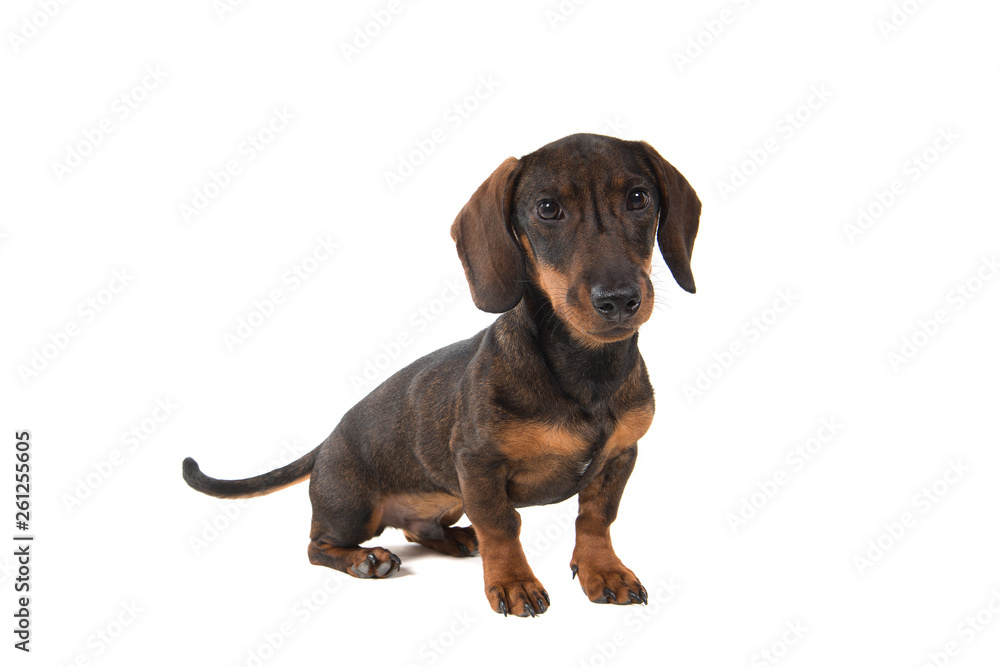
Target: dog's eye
{"points": [[548, 210], [637, 199]]}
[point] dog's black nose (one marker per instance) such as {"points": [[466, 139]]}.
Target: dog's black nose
{"points": [[616, 305]]}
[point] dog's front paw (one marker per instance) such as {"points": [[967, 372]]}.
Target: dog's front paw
{"points": [[520, 597], [609, 582]]}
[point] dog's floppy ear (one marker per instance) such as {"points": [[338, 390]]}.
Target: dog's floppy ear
{"points": [[493, 262], [680, 210]]}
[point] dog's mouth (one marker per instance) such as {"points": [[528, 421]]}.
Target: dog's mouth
{"points": [[613, 334], [589, 329], [595, 315], [617, 331]]}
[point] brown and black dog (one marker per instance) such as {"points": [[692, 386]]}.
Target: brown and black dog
{"points": [[546, 403]]}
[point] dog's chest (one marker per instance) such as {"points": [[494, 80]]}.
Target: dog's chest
{"points": [[548, 463]]}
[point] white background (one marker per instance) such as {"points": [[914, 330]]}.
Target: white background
{"points": [[722, 592]]}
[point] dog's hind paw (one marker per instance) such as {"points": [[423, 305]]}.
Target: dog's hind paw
{"points": [[460, 542], [376, 563]]}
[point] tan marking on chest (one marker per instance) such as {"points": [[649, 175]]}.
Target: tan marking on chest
{"points": [[539, 456], [532, 440], [630, 427], [529, 440]]}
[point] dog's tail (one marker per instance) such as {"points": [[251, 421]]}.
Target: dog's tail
{"points": [[261, 485]]}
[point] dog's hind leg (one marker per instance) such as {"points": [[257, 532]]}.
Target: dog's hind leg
{"points": [[438, 533], [346, 513], [361, 562]]}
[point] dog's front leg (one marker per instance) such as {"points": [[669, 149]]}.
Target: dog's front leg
{"points": [[602, 576], [511, 586]]}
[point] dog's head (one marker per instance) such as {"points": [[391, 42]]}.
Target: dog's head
{"points": [[578, 219]]}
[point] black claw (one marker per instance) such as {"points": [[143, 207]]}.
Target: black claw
{"points": [[634, 597], [372, 559], [610, 594], [464, 550], [541, 606], [528, 608], [546, 595], [575, 569], [503, 608], [395, 559], [643, 594]]}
